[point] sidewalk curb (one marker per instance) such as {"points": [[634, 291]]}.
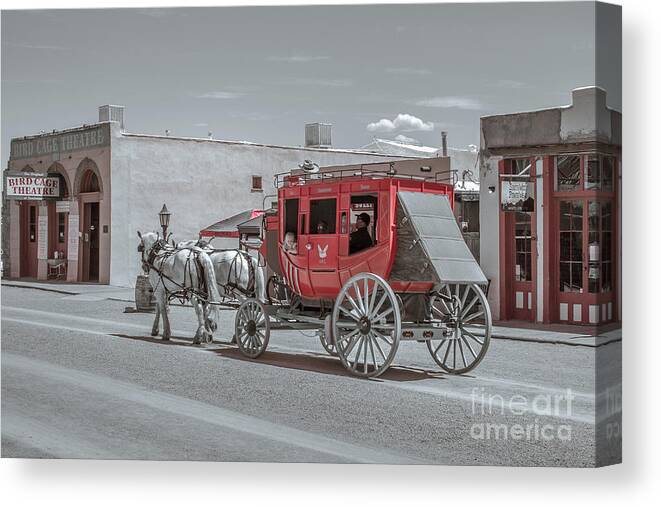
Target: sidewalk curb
{"points": [[496, 336], [557, 342]]}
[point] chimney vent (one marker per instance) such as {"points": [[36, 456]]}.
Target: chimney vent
{"points": [[318, 135], [444, 143], [112, 113]]}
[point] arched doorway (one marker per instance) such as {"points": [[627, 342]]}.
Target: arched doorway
{"points": [[89, 190], [58, 224]]}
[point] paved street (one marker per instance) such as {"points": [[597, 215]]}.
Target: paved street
{"points": [[82, 379]]}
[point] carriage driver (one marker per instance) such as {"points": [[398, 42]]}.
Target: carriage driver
{"points": [[360, 239]]}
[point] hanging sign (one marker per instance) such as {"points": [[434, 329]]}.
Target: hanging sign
{"points": [[62, 206], [517, 196], [42, 237], [32, 186], [72, 246]]}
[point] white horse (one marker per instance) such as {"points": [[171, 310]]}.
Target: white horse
{"points": [[173, 270], [233, 270]]}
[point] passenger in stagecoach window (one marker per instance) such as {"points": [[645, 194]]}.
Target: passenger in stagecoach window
{"points": [[360, 239], [290, 244], [322, 227]]}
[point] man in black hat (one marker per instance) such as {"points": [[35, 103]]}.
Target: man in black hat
{"points": [[360, 239]]}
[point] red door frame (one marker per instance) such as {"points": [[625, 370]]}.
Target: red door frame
{"points": [[507, 246], [28, 257], [552, 218]]}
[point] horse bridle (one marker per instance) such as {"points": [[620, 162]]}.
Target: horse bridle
{"points": [[148, 263]]}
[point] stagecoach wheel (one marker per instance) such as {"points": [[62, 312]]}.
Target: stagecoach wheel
{"points": [[326, 337], [466, 312], [252, 328], [366, 325]]}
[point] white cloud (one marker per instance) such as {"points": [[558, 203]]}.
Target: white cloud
{"points": [[409, 71], [451, 102], [303, 81], [402, 122], [220, 95], [38, 47], [510, 83], [406, 140], [297, 58]]}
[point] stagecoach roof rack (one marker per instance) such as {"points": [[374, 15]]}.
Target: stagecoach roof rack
{"points": [[289, 179]]}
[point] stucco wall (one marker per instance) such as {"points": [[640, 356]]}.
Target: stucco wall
{"points": [[490, 231], [201, 181]]}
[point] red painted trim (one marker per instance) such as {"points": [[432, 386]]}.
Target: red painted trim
{"points": [[549, 239], [502, 251]]}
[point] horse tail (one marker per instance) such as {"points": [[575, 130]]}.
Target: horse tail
{"points": [[210, 280]]}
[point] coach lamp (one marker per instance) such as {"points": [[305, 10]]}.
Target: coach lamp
{"points": [[164, 218]]}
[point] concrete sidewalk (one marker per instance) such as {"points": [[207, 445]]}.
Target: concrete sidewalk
{"points": [[96, 292]]}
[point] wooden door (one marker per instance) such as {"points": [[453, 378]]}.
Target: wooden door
{"points": [[91, 242], [523, 251], [29, 239]]}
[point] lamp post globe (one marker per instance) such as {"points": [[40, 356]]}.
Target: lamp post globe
{"points": [[164, 218]]}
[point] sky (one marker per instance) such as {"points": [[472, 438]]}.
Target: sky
{"points": [[260, 73]]}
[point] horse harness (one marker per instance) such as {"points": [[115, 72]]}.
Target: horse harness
{"points": [[161, 252]]}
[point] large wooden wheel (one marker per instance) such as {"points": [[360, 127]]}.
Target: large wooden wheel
{"points": [[326, 337], [252, 328], [465, 311], [366, 325]]}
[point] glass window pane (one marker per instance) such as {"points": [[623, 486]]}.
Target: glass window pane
{"points": [[594, 210], [577, 276], [606, 246], [577, 219], [593, 173], [607, 170], [606, 224], [568, 172], [565, 242], [593, 277], [565, 277], [576, 246], [606, 275], [565, 212]]}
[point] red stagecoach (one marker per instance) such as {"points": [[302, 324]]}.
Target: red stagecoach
{"points": [[415, 279]]}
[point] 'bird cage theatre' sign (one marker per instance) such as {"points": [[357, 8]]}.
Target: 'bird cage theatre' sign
{"points": [[32, 186]]}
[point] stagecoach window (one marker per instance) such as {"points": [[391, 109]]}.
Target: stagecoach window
{"points": [[291, 216], [367, 203], [571, 246], [568, 172], [323, 214]]}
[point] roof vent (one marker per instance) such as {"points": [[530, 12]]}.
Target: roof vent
{"points": [[112, 113], [318, 135]]}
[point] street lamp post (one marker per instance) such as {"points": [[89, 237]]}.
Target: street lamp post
{"points": [[164, 218]]}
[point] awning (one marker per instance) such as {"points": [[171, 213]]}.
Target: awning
{"points": [[252, 226], [228, 228]]}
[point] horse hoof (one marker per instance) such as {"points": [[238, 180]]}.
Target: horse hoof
{"points": [[166, 338], [154, 333]]}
